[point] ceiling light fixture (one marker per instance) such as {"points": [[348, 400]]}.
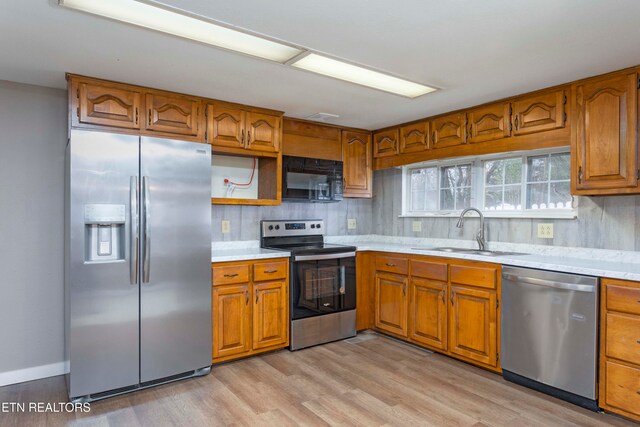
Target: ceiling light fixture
{"points": [[161, 18], [360, 75]]}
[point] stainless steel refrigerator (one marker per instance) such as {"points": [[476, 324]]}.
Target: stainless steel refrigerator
{"points": [[138, 262]]}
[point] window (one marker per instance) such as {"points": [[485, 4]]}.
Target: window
{"points": [[533, 184]]}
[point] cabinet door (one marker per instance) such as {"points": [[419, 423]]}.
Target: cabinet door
{"points": [[108, 106], [385, 143], [473, 324], [391, 303], [263, 132], [489, 123], [428, 313], [172, 114], [448, 130], [606, 145], [538, 113], [231, 320], [414, 138], [225, 126], [270, 314], [356, 154]]}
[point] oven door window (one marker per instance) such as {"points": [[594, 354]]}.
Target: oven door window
{"points": [[322, 287]]}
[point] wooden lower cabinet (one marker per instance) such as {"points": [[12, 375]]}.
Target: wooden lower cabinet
{"points": [[231, 320], [620, 347], [391, 303], [428, 313], [270, 314], [473, 324], [447, 305], [253, 316]]}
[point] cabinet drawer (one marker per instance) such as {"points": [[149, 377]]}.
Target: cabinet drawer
{"points": [[623, 298], [479, 276], [270, 270], [623, 337], [227, 274], [429, 270], [392, 264], [622, 387]]}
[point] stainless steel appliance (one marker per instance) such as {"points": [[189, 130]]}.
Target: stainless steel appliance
{"points": [[549, 334], [138, 256], [311, 180], [323, 281]]}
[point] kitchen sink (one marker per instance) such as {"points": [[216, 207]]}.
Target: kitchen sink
{"points": [[469, 251]]}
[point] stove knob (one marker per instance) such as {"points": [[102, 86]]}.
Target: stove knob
{"points": [[271, 227], [313, 226], [317, 225], [277, 227]]}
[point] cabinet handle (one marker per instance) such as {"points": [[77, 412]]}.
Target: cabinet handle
{"points": [[270, 271], [246, 295], [453, 295], [136, 115], [443, 301], [579, 174], [516, 122], [433, 137], [256, 296], [248, 137], [390, 265], [243, 137], [471, 130], [404, 289], [149, 117], [231, 275]]}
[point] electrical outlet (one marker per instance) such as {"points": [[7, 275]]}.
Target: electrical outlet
{"points": [[417, 226], [226, 226], [352, 224], [545, 231]]}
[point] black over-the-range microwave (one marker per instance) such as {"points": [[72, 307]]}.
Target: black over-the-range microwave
{"points": [[311, 180]]}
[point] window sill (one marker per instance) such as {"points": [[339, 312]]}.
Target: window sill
{"points": [[544, 214]]}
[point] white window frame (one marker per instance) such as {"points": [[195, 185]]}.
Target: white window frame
{"points": [[478, 187]]}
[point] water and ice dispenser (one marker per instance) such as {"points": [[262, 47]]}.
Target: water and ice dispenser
{"points": [[104, 227]]}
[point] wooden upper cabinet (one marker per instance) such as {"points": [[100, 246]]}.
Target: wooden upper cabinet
{"points": [[385, 143], [270, 314], [231, 320], [302, 138], [428, 313], [225, 126], [356, 154], [263, 131], [447, 131], [539, 113], [605, 146], [173, 114], [414, 138], [104, 105], [473, 330], [489, 122], [391, 303]]}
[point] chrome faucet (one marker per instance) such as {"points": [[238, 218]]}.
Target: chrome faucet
{"points": [[480, 234]]}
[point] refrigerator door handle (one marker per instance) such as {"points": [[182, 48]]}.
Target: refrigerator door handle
{"points": [[134, 239], [146, 267]]}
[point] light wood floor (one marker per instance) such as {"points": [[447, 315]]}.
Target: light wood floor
{"points": [[369, 381]]}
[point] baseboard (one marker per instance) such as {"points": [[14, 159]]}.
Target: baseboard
{"points": [[34, 373]]}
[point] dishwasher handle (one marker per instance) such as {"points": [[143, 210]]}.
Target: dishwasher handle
{"points": [[550, 283]]}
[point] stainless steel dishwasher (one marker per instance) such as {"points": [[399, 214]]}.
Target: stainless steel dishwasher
{"points": [[549, 338]]}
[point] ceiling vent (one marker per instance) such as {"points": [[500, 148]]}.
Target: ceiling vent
{"points": [[322, 117]]}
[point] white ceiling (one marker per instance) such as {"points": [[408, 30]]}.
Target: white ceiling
{"points": [[477, 51]]}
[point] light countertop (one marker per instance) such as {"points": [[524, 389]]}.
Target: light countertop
{"points": [[244, 254]]}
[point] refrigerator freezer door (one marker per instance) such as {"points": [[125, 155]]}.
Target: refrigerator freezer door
{"points": [[175, 289], [102, 304]]}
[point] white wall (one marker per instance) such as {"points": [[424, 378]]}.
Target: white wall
{"points": [[33, 136]]}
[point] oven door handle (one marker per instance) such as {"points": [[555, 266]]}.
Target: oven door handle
{"points": [[324, 256]]}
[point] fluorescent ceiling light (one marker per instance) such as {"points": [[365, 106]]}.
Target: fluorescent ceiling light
{"points": [[159, 17], [360, 75]]}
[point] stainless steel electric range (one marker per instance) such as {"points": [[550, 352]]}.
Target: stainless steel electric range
{"points": [[322, 281]]}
